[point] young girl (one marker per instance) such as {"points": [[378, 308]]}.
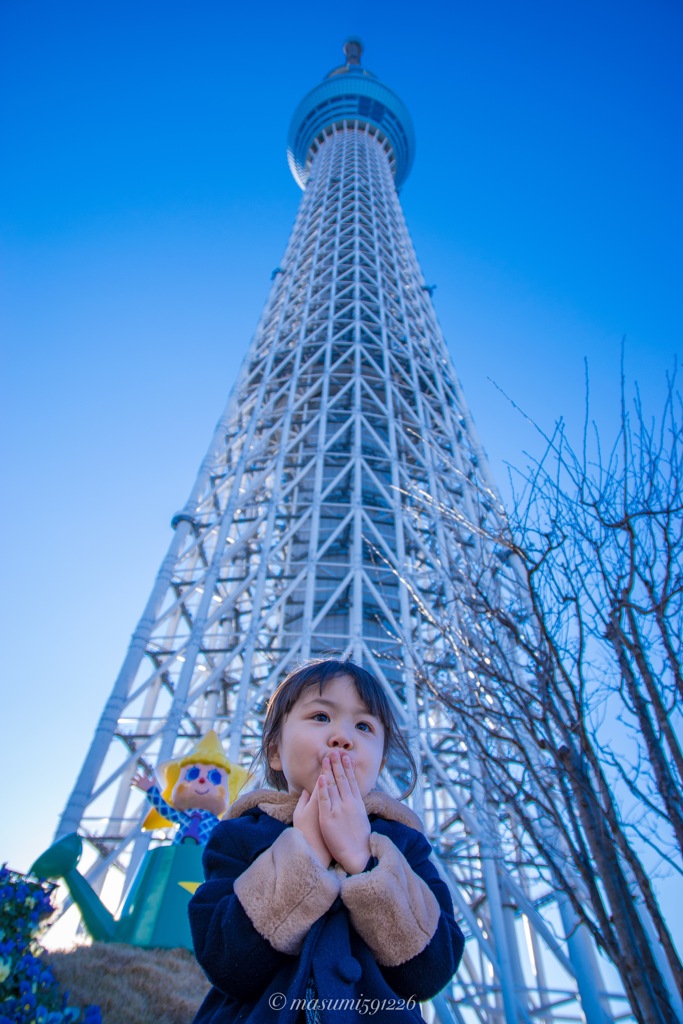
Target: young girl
{"points": [[320, 902]]}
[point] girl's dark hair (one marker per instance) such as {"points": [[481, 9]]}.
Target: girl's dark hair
{"points": [[319, 673]]}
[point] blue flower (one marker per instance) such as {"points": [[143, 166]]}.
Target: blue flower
{"points": [[93, 1015], [27, 1002], [29, 965]]}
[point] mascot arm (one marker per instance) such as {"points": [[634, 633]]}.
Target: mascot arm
{"points": [[162, 814]]}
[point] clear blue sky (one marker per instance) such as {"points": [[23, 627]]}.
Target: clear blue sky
{"points": [[144, 200]]}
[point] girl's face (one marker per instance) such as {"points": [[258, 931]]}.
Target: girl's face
{"points": [[318, 723]]}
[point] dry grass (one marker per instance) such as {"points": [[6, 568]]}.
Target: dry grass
{"points": [[132, 985]]}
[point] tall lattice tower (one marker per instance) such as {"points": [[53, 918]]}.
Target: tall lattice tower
{"points": [[300, 535]]}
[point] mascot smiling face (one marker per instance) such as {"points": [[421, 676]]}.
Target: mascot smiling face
{"points": [[202, 786]]}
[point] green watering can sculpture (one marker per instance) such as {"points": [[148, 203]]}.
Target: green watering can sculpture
{"points": [[197, 789], [155, 912]]}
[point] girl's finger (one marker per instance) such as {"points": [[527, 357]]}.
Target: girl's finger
{"points": [[303, 799], [331, 786], [350, 775], [340, 775]]}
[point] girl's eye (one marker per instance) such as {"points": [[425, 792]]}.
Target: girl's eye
{"points": [[364, 726], [321, 716], [192, 773], [215, 777]]}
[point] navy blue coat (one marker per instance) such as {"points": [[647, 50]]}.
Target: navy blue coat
{"points": [[253, 983]]}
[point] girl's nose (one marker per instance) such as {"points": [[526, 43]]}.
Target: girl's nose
{"points": [[202, 781], [341, 740]]}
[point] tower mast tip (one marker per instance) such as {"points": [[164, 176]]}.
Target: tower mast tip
{"points": [[353, 48]]}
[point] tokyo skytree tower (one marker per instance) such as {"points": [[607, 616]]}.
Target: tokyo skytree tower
{"points": [[304, 535]]}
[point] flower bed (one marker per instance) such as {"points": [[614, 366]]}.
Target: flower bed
{"points": [[29, 993]]}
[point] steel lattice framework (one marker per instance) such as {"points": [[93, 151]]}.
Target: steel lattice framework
{"points": [[298, 539]]}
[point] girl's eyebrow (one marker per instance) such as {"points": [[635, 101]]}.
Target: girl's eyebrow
{"points": [[332, 704]]}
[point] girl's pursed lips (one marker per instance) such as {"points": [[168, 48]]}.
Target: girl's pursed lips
{"points": [[344, 754]]}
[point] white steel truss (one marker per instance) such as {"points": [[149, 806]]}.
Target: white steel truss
{"points": [[296, 541]]}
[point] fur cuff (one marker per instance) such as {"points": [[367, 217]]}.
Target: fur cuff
{"points": [[393, 910], [286, 890]]}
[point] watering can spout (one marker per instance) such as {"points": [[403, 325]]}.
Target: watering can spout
{"points": [[60, 861]]}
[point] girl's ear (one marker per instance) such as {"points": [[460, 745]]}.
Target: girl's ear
{"points": [[274, 759]]}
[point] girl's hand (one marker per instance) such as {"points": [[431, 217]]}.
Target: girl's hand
{"points": [[143, 780], [344, 821], [306, 819]]}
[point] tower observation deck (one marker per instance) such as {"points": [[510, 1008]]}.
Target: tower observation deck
{"points": [[304, 534]]}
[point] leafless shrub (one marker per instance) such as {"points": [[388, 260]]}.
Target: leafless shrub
{"points": [[564, 628]]}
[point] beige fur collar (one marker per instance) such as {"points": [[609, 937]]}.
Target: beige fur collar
{"points": [[281, 806]]}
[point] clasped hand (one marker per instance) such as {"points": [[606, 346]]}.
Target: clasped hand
{"points": [[333, 818]]}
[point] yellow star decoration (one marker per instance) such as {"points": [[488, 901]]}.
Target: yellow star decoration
{"points": [[190, 886]]}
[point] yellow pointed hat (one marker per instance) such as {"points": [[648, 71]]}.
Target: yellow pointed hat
{"points": [[208, 750]]}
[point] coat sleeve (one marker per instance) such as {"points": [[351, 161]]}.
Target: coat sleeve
{"points": [[249, 917], [159, 804], [286, 890], [403, 911], [236, 959]]}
